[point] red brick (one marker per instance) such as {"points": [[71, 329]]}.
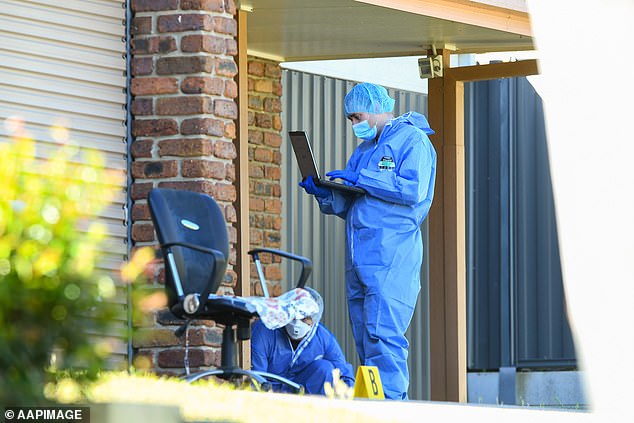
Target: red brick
{"points": [[255, 102], [205, 187], [230, 213], [141, 25], [153, 86], [174, 358], [203, 335], [142, 232], [142, 66], [230, 130], [140, 190], [226, 67], [154, 337], [272, 139], [154, 169], [154, 127], [141, 148], [203, 43], [277, 88], [208, 5], [225, 192], [255, 238], [273, 70], [263, 155], [231, 172], [251, 84], [256, 204], [273, 173], [272, 105], [142, 107], [232, 232], [256, 137], [255, 67], [202, 84], [225, 25], [232, 47], [277, 122], [153, 5], [153, 45], [185, 147], [226, 108], [225, 150], [264, 86], [273, 272], [250, 118], [273, 205], [276, 191], [185, 22], [183, 105], [230, 7], [272, 239], [231, 89], [140, 211], [203, 169], [263, 120], [206, 126], [184, 65], [256, 170]]}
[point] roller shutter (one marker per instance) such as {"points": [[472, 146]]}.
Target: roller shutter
{"points": [[62, 62]]}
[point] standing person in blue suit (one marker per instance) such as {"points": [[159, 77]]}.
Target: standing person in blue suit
{"points": [[396, 166], [304, 351]]}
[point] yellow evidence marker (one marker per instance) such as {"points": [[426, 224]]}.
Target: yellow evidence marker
{"points": [[368, 383]]}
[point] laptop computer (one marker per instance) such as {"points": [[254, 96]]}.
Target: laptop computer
{"points": [[307, 166]]}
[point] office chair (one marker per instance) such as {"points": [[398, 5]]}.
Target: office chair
{"points": [[192, 234]]}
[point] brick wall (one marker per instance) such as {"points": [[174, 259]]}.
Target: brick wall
{"points": [[265, 139], [184, 130]]}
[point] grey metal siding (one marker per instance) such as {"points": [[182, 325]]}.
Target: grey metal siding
{"points": [[516, 310], [314, 103]]}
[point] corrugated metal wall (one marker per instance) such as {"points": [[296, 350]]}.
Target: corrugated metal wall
{"points": [[63, 63], [516, 313], [315, 104]]}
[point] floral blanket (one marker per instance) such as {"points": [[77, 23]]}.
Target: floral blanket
{"points": [[279, 311]]}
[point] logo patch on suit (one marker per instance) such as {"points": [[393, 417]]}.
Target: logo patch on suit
{"points": [[386, 163]]}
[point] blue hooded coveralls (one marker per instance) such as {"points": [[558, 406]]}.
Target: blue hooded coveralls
{"points": [[310, 364], [384, 242]]}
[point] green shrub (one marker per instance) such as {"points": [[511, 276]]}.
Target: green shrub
{"points": [[52, 296]]}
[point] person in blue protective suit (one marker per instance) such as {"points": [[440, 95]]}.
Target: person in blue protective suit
{"points": [[396, 166], [304, 351]]}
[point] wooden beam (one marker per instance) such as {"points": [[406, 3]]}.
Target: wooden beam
{"points": [[466, 12], [447, 284], [243, 286], [493, 71]]}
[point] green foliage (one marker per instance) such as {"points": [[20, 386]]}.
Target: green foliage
{"points": [[52, 296]]}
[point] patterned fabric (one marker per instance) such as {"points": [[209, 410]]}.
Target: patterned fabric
{"points": [[279, 311]]}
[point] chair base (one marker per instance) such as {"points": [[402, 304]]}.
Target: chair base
{"points": [[261, 379]]}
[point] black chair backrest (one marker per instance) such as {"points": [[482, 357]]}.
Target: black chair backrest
{"points": [[192, 218]]}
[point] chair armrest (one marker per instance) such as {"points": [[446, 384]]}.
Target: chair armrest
{"points": [[220, 261], [307, 265]]}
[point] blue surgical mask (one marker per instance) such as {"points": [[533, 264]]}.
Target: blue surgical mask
{"points": [[363, 130]]}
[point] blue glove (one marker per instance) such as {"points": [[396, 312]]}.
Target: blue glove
{"points": [[309, 185], [346, 175]]}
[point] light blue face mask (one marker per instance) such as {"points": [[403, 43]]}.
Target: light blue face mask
{"points": [[363, 130]]}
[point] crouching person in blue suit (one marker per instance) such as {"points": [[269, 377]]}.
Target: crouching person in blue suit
{"points": [[304, 351]]}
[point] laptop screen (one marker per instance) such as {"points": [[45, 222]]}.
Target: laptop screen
{"points": [[304, 154]]}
